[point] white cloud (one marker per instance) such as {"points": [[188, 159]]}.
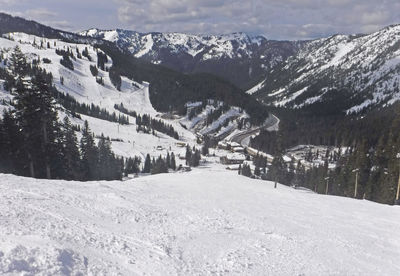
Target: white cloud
{"points": [[291, 19], [40, 13], [277, 19]]}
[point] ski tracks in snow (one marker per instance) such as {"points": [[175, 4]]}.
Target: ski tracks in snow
{"points": [[207, 221]]}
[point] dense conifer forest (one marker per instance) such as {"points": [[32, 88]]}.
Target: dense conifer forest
{"points": [[370, 146], [34, 143]]}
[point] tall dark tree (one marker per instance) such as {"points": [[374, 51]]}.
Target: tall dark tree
{"points": [[107, 163], [12, 157], [89, 154], [159, 166], [71, 156], [147, 164], [17, 65], [277, 169], [188, 155], [173, 162], [37, 118]]}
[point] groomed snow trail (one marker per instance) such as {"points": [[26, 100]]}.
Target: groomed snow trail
{"points": [[208, 221]]}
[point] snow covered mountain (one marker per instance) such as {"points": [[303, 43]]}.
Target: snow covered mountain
{"points": [[238, 57], [84, 87], [352, 72]]}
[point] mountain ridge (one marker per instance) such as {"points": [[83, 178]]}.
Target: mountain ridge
{"points": [[364, 67], [238, 57]]}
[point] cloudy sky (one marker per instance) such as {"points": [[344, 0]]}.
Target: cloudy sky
{"points": [[275, 19]]}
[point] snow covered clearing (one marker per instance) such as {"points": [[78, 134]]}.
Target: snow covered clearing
{"points": [[256, 88], [291, 98], [208, 221]]}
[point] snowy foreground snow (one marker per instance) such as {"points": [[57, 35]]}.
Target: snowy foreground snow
{"points": [[208, 221]]}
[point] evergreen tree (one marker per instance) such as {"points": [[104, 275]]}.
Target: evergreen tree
{"points": [[132, 166], [188, 155], [173, 162], [37, 118], [195, 159], [277, 170], [160, 166], [108, 165], [17, 65], [147, 164], [71, 156], [89, 154], [168, 160], [12, 158], [246, 170]]}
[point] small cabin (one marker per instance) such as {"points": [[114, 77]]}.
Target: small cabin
{"points": [[182, 156], [223, 145], [181, 144], [237, 149], [232, 159]]}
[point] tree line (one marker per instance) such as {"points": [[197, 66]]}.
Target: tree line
{"points": [[147, 124], [371, 141], [34, 143], [92, 110]]}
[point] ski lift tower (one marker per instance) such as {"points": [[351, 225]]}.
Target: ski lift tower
{"points": [[397, 200], [356, 184], [327, 184]]}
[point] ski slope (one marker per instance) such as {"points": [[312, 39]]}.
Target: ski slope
{"points": [[82, 85], [208, 221]]}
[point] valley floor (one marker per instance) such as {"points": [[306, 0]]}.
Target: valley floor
{"points": [[208, 221]]}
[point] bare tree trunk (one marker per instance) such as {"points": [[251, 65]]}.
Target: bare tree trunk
{"points": [[45, 144], [31, 168]]}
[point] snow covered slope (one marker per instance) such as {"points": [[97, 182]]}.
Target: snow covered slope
{"points": [[219, 127], [204, 222], [362, 71], [81, 85], [246, 56]]}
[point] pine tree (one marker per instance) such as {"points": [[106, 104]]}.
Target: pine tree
{"points": [[277, 169], [132, 166], [37, 118], [17, 65], [188, 155], [107, 163], [246, 170], [71, 155], [12, 157], [160, 166], [168, 160], [147, 164], [89, 154], [173, 162], [49, 126], [195, 159]]}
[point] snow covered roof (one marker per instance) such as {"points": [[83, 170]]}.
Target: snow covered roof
{"points": [[236, 156], [234, 144]]}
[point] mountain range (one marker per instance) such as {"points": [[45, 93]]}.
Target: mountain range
{"points": [[239, 58], [347, 73]]}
